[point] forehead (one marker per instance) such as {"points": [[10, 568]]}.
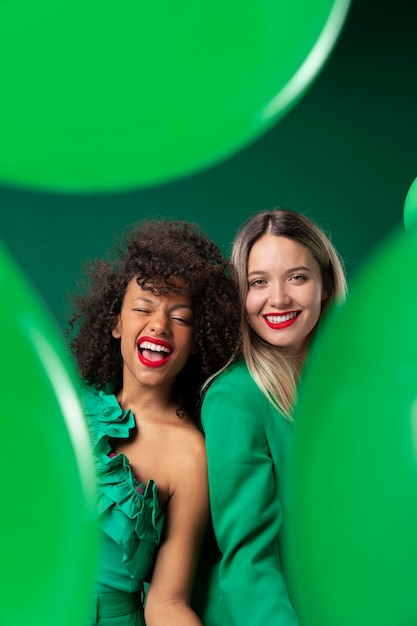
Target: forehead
{"points": [[275, 251]]}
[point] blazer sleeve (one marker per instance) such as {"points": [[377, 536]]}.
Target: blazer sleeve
{"points": [[246, 509]]}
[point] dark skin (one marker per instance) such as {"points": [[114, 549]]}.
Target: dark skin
{"points": [[163, 447], [161, 438], [156, 252], [154, 323]]}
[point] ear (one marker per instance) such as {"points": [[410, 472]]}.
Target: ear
{"points": [[194, 349], [324, 294], [116, 332]]}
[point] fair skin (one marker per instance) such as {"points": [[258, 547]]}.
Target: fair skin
{"points": [[156, 336], [285, 293]]}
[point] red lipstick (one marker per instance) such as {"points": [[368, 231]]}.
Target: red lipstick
{"points": [[283, 320], [153, 352]]}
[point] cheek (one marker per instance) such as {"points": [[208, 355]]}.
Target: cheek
{"points": [[186, 340], [317, 296], [312, 303], [250, 305], [317, 305]]}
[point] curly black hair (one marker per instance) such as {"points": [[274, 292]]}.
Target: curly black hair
{"points": [[154, 251]]}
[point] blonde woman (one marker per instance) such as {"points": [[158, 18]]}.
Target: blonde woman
{"points": [[288, 274]]}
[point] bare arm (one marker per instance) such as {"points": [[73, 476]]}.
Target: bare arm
{"points": [[187, 514]]}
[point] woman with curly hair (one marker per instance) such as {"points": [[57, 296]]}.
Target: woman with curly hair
{"points": [[147, 331]]}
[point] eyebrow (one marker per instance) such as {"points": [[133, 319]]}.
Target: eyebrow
{"points": [[147, 300], [179, 305], [299, 268]]}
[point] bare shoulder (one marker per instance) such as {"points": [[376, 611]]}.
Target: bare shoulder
{"points": [[185, 456], [185, 432], [190, 444]]}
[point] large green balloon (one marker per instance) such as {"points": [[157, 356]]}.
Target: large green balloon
{"points": [[48, 518], [410, 208], [103, 95], [353, 547]]}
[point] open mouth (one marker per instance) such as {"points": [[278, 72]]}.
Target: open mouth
{"points": [[154, 353], [281, 321]]}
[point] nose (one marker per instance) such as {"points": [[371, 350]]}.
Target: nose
{"points": [[279, 295], [159, 324]]}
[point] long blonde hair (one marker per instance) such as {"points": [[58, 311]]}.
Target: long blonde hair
{"points": [[275, 372]]}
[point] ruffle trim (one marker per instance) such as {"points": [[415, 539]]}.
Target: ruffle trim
{"points": [[133, 520]]}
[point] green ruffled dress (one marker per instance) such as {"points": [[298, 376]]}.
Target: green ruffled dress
{"points": [[131, 518]]}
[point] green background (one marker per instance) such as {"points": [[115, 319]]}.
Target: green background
{"points": [[345, 155]]}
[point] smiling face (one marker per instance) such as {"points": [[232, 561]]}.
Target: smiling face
{"points": [[156, 336], [285, 293]]}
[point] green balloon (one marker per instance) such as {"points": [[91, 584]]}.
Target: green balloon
{"points": [[352, 552], [410, 208], [48, 521], [102, 96]]}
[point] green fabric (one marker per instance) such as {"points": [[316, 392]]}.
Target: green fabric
{"points": [[131, 519], [117, 609], [248, 443]]}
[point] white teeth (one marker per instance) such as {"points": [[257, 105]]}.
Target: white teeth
{"points": [[279, 319], [147, 345]]}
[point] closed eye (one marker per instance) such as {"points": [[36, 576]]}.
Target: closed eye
{"points": [[183, 320]]}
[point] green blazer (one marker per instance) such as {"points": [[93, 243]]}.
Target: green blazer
{"points": [[242, 582]]}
